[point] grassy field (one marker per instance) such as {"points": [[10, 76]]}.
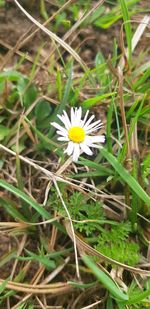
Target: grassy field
{"points": [[75, 226]]}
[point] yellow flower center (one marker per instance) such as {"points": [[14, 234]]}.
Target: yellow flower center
{"points": [[76, 134]]}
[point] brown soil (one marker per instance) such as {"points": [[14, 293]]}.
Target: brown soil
{"points": [[15, 26]]}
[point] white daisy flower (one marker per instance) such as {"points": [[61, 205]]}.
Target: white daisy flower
{"points": [[76, 132]]}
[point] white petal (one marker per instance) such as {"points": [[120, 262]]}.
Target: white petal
{"points": [[91, 140], [67, 120], [79, 113], [76, 152], [86, 149], [69, 149], [77, 117], [72, 116], [85, 117], [92, 125], [89, 121], [98, 139], [88, 140], [65, 134], [93, 129], [63, 138], [57, 126], [63, 120], [96, 146], [60, 117]]}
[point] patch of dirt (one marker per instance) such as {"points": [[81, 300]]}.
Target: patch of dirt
{"points": [[15, 26]]}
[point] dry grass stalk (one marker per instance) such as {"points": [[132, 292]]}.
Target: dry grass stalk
{"points": [[53, 36], [85, 248]]}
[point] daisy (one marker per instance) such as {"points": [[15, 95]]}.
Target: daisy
{"points": [[76, 132]]}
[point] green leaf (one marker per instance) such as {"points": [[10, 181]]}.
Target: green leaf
{"points": [[3, 286], [96, 14], [25, 198], [19, 148], [27, 94], [115, 14], [2, 118], [92, 101], [42, 110], [11, 75], [107, 20], [124, 174], [116, 244], [105, 279], [146, 161], [3, 132]]}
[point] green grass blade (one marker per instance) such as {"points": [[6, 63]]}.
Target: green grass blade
{"points": [[64, 102], [11, 210], [127, 26], [3, 285], [89, 174], [59, 84], [23, 306], [25, 198], [145, 76], [109, 304], [109, 123], [122, 154], [6, 258], [44, 260], [124, 174], [82, 285], [92, 101], [139, 297], [100, 170], [105, 279]]}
